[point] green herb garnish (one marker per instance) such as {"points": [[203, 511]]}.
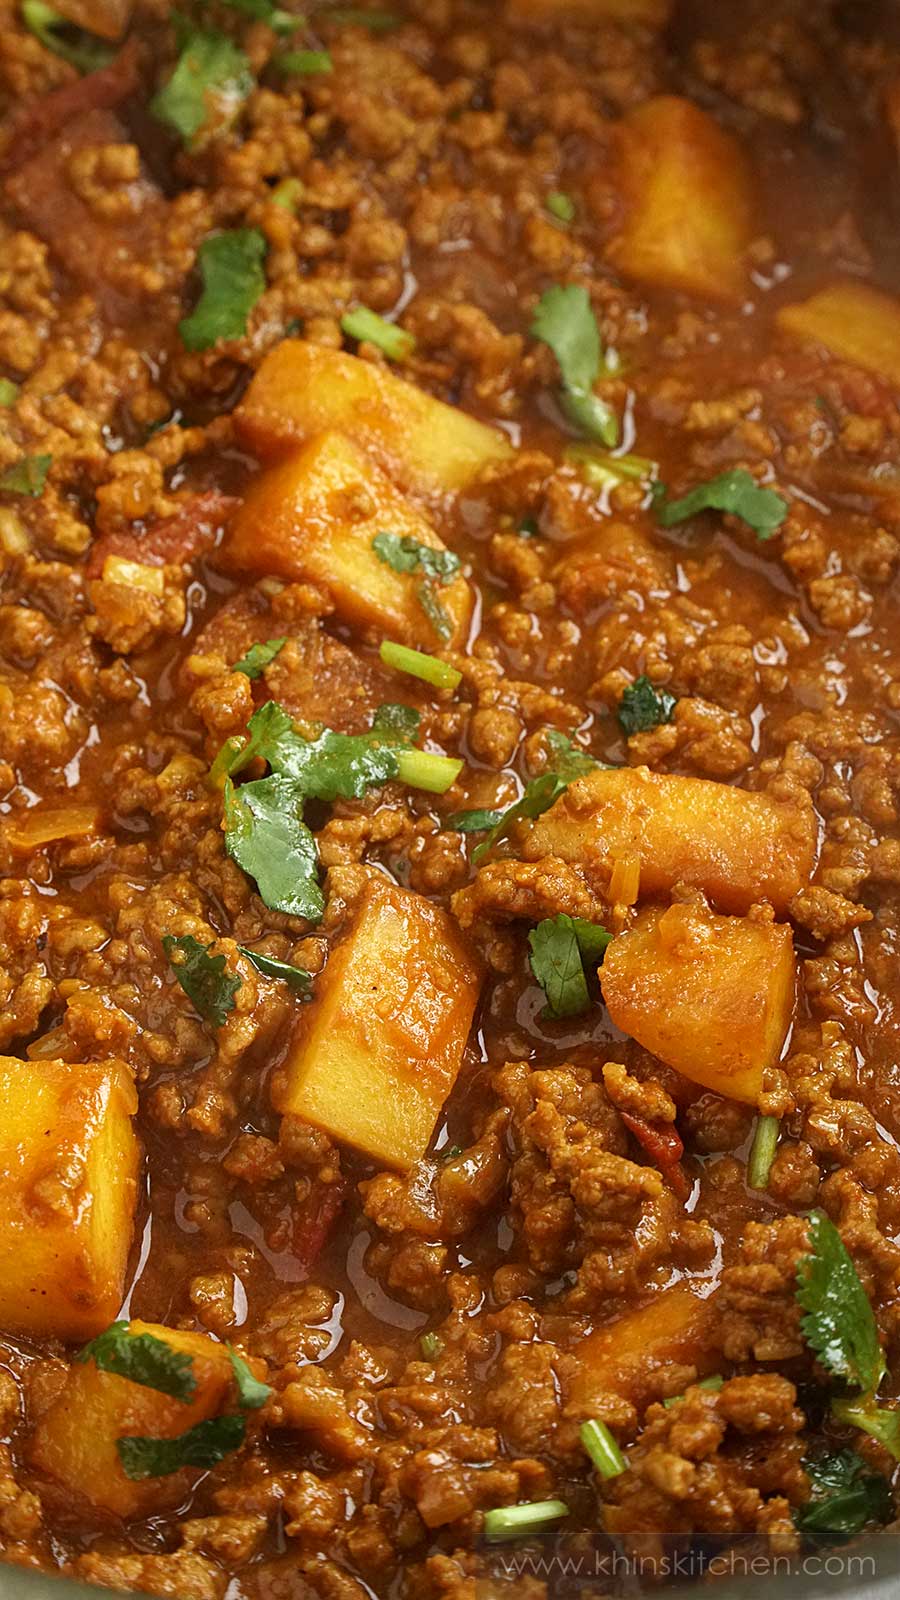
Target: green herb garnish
{"points": [[266, 835], [430, 1346], [602, 1449], [202, 977], [9, 392], [559, 946], [838, 1321], [251, 1393], [363, 324], [762, 1152], [403, 553], [303, 63], [538, 796], [568, 759], [847, 1496], [266, 11], [642, 706], [258, 657], [471, 821], [58, 34], [231, 266], [355, 16], [27, 476], [736, 492], [143, 1359], [210, 81], [296, 978], [561, 206], [519, 1522], [203, 1446], [395, 721], [565, 321], [419, 665]]}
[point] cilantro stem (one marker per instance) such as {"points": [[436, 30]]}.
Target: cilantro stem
{"points": [[762, 1152], [419, 665], [225, 761], [513, 1522], [599, 468], [421, 770], [602, 1448]]}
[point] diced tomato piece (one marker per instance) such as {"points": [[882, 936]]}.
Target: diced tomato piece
{"points": [[664, 1146], [32, 126], [171, 541], [316, 1220]]}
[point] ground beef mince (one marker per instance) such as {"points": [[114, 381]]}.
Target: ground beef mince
{"points": [[449, 790]]}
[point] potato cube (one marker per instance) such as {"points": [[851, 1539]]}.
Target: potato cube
{"points": [[738, 847], [378, 1051], [852, 321], [654, 13], [424, 445], [710, 996], [689, 202], [68, 1190], [625, 1357], [74, 1442], [315, 515]]}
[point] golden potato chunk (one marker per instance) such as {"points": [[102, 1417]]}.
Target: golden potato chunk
{"points": [[74, 1441], [315, 515], [853, 321], [625, 1357], [68, 1190], [689, 202], [423, 445], [378, 1051], [710, 996], [654, 13], [738, 847]]}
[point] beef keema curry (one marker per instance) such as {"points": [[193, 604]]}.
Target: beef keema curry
{"points": [[449, 789]]}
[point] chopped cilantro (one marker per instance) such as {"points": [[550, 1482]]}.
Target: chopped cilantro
{"points": [[642, 707], [736, 492], [565, 321], [143, 1359], [404, 554], [395, 721], [431, 1346], [251, 1393], [471, 821], [202, 1446], [266, 835], [566, 758], [211, 79], [303, 63], [57, 34], [258, 657], [27, 476], [296, 978], [202, 977], [363, 324], [9, 392], [561, 206], [231, 266], [537, 797], [838, 1321], [847, 1496], [558, 945], [877, 1421], [266, 11]]}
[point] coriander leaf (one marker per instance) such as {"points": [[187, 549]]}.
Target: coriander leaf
{"points": [[567, 758], [303, 63], [592, 939], [471, 821], [565, 321], [251, 1393], [210, 80], [297, 978], [405, 554], [556, 963], [877, 1421], [202, 977], [27, 476], [642, 707], [231, 266], [202, 1446], [736, 492], [561, 206], [337, 766], [362, 323], [266, 11], [839, 1323], [143, 1359], [395, 721], [847, 1496], [9, 392], [537, 798], [355, 16], [266, 835], [71, 43], [270, 730], [436, 613], [254, 663]]}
